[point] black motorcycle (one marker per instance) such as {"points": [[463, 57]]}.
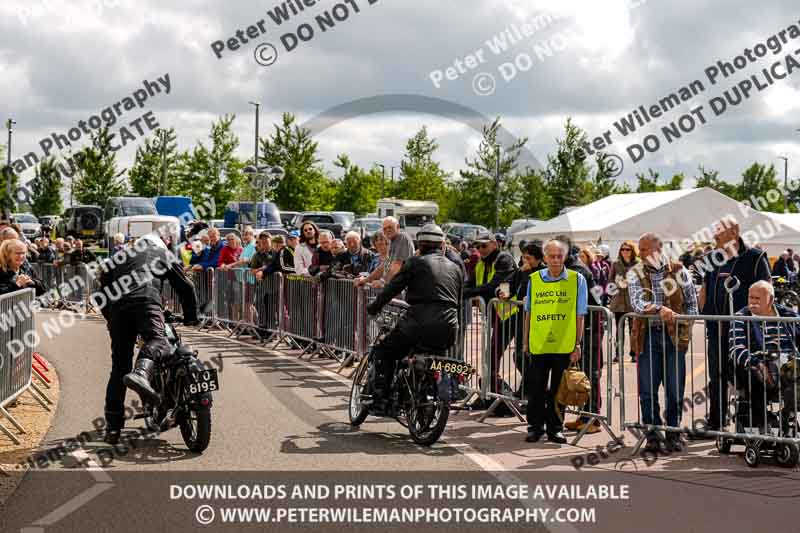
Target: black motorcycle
{"points": [[185, 386], [786, 293], [420, 393]]}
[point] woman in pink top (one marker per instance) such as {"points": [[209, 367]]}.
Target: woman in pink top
{"points": [[231, 251]]}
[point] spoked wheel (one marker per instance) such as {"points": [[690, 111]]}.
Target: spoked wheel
{"points": [[358, 411], [787, 455], [752, 456], [791, 300], [426, 414], [196, 428]]}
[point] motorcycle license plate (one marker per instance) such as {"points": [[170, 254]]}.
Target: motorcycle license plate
{"points": [[450, 366], [205, 381], [87, 232]]}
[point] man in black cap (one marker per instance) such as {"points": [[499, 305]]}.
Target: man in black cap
{"points": [[501, 240], [495, 267]]}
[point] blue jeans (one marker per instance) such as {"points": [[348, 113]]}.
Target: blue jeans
{"points": [[661, 363]]}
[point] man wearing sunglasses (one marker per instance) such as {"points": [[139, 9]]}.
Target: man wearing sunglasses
{"points": [[494, 267]]}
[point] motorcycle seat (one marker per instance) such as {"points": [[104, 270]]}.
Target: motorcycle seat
{"points": [[429, 350]]}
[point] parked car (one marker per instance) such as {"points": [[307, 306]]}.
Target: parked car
{"points": [[287, 218], [218, 223], [366, 227], [254, 214], [456, 231], [81, 221], [30, 224], [345, 218], [323, 220], [129, 206], [49, 220], [521, 224]]}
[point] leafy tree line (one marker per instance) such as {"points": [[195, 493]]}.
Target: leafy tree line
{"points": [[211, 171]]}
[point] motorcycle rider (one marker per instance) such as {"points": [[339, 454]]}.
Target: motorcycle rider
{"points": [[132, 307], [433, 286]]}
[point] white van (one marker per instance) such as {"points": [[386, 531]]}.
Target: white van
{"points": [[412, 214]]}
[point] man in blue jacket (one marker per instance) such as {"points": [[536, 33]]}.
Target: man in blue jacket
{"points": [[210, 255]]}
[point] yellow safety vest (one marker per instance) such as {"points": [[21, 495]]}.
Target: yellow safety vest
{"points": [[554, 306], [479, 271], [506, 310]]}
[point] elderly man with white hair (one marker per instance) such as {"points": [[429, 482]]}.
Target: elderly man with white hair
{"points": [[401, 247], [755, 346], [664, 290], [355, 259]]}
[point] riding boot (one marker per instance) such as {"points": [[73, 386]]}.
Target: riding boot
{"points": [[139, 381]]}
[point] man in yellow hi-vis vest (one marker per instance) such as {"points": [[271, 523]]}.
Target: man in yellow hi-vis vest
{"points": [[555, 307], [495, 267]]}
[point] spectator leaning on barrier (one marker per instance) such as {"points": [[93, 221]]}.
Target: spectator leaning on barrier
{"points": [[355, 260], [47, 254], [282, 259], [620, 301], [401, 247], [293, 240], [657, 287], [555, 309], [731, 258], [381, 245], [309, 239], [749, 341], [229, 254], [323, 257], [210, 255], [337, 246], [80, 254], [12, 276], [248, 249], [263, 255]]}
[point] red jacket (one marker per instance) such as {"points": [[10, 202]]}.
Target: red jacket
{"points": [[229, 255]]}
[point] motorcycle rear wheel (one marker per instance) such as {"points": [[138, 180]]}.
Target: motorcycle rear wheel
{"points": [[196, 428], [426, 414]]}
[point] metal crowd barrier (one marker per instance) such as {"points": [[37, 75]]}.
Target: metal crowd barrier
{"points": [[506, 363], [301, 325], [16, 353], [758, 404], [228, 303], [340, 312]]}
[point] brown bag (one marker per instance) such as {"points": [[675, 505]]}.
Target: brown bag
{"points": [[574, 388]]}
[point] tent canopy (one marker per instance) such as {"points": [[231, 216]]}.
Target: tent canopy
{"points": [[678, 217]]}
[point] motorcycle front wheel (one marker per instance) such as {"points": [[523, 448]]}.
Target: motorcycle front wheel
{"points": [[357, 410], [426, 413]]}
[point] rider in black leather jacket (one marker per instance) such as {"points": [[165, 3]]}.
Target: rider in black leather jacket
{"points": [[131, 304], [433, 286]]}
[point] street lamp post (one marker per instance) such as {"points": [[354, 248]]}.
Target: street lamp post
{"points": [[255, 156], [497, 189], [785, 184], [10, 125], [383, 176]]}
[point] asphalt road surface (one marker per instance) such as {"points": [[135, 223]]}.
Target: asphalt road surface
{"points": [[280, 425]]}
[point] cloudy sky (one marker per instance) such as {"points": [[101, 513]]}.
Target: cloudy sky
{"points": [[66, 60]]}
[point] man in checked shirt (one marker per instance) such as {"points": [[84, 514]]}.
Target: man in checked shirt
{"points": [[750, 340], [657, 287]]}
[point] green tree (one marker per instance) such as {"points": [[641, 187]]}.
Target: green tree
{"points": [[156, 162], [211, 172], [536, 201], [478, 191], [358, 190], [756, 182], [567, 174], [422, 178], [304, 185], [710, 179], [96, 177], [46, 188], [651, 183]]}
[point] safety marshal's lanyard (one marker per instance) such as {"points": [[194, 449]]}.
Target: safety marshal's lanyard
{"points": [[554, 306]]}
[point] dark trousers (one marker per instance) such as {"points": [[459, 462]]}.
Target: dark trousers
{"points": [[718, 373], [541, 397], [618, 321], [145, 320]]}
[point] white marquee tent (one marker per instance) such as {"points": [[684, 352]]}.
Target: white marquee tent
{"points": [[676, 216]]}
